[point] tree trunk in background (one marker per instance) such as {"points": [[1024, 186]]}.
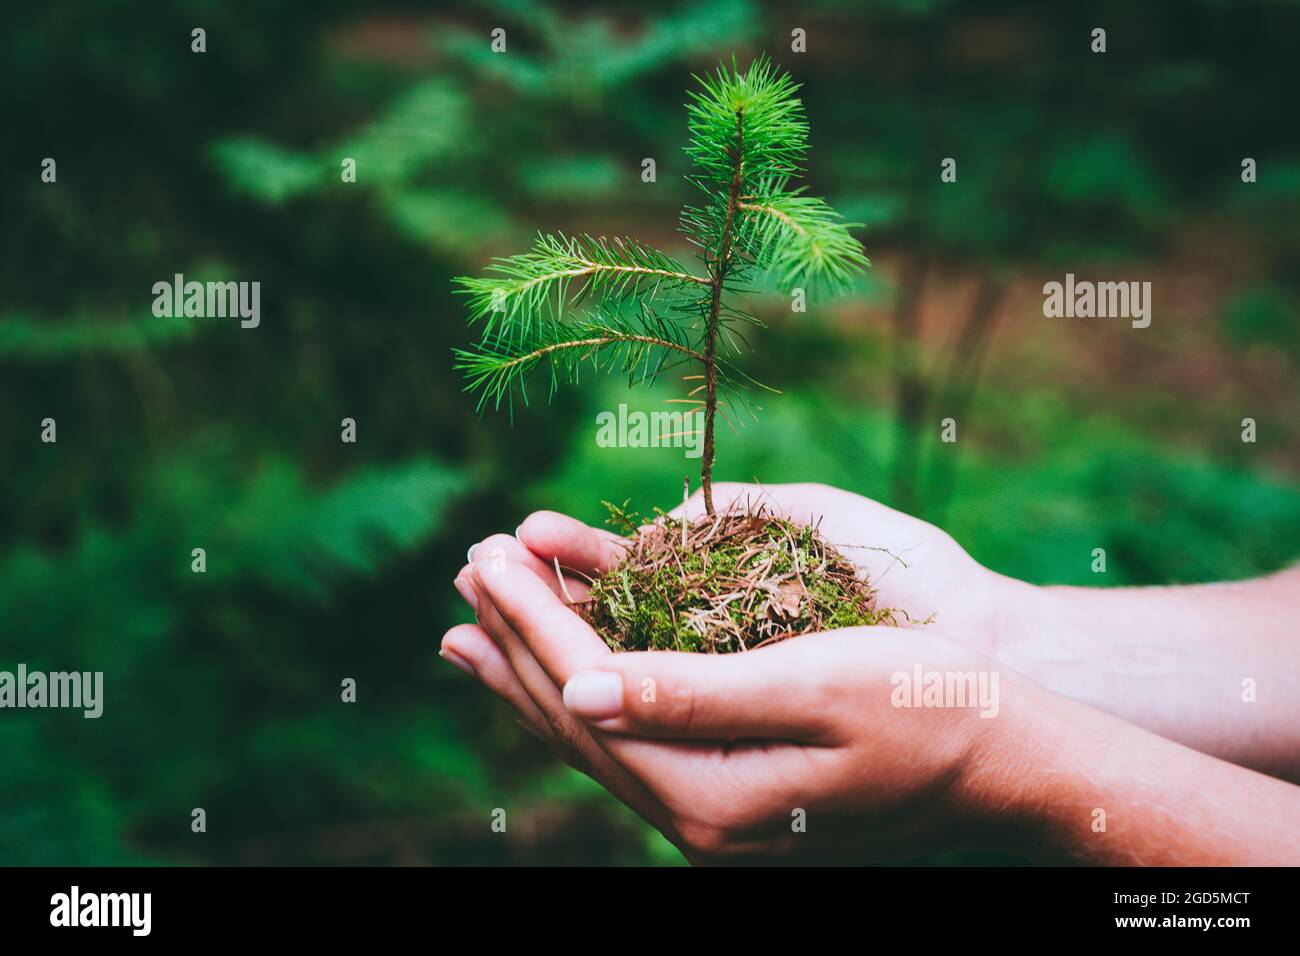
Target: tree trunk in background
{"points": [[954, 392], [909, 386]]}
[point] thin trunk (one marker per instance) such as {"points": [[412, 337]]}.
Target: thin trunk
{"points": [[715, 306], [909, 385], [955, 392]]}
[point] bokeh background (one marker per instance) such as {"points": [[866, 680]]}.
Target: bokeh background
{"points": [[329, 560]]}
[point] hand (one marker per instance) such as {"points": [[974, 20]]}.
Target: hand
{"points": [[1063, 774], [789, 751], [954, 587], [792, 750], [1170, 660]]}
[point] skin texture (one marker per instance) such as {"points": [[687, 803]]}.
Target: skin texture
{"points": [[797, 751]]}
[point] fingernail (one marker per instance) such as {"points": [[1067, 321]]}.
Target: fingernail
{"points": [[466, 590], [451, 657], [595, 695], [469, 555], [517, 530]]}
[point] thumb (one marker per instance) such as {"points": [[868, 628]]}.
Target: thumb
{"points": [[778, 692]]}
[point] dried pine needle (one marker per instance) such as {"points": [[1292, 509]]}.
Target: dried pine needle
{"points": [[726, 582]]}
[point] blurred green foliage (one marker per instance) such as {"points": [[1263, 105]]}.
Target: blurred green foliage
{"points": [[329, 560]]}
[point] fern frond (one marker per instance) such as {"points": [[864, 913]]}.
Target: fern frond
{"points": [[282, 530], [531, 290], [32, 338]]}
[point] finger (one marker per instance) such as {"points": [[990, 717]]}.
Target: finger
{"points": [[740, 783], [585, 549], [569, 732], [648, 775], [572, 734], [560, 641], [503, 546], [468, 645], [679, 773], [562, 725], [784, 691]]}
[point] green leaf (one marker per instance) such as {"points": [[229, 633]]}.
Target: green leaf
{"points": [[266, 172], [293, 537]]}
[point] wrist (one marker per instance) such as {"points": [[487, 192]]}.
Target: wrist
{"points": [[1017, 785], [1057, 781], [1037, 632]]}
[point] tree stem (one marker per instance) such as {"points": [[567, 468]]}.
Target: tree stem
{"points": [[719, 274]]}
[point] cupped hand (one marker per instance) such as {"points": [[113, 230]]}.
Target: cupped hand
{"points": [[801, 749], [791, 750], [915, 566]]}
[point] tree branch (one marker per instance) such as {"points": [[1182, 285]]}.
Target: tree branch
{"points": [[774, 213], [598, 342], [591, 268]]}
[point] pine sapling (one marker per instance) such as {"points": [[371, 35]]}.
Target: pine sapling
{"points": [[729, 581]]}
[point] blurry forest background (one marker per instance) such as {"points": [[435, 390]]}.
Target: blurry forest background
{"points": [[329, 560]]}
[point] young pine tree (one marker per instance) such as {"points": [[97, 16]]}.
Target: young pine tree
{"points": [[618, 303]]}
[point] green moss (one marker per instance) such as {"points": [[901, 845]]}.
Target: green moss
{"points": [[737, 582]]}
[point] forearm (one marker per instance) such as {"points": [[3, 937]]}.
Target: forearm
{"points": [[1082, 786], [1216, 667]]}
